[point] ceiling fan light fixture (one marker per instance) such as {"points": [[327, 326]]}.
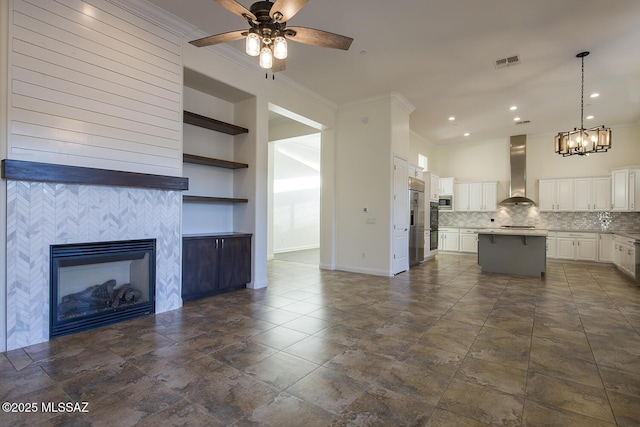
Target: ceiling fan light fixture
{"points": [[583, 141], [252, 44], [280, 47], [266, 58]]}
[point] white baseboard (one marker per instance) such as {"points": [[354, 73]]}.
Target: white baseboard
{"points": [[364, 270]]}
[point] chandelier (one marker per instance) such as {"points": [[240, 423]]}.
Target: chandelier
{"points": [[583, 141]]}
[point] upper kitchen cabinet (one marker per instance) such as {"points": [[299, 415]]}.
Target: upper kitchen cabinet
{"points": [[445, 186], [634, 190], [432, 184], [461, 197], [620, 190], [556, 194], [476, 196], [592, 194], [625, 189]]}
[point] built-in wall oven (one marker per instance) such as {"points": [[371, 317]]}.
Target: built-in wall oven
{"points": [[445, 203]]}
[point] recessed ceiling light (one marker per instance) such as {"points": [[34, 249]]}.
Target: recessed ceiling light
{"points": [[467, 134], [594, 95], [589, 117], [513, 108], [451, 118], [516, 119]]}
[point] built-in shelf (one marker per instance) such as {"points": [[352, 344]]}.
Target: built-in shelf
{"points": [[208, 199], [218, 126], [213, 124], [209, 161]]}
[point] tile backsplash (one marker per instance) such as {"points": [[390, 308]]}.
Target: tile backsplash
{"points": [[530, 215]]}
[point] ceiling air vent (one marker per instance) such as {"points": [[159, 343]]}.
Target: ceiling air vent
{"points": [[508, 61], [523, 122]]}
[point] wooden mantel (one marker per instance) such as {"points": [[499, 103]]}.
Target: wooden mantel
{"points": [[20, 170]]}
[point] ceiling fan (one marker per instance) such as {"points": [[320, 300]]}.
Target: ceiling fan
{"points": [[268, 32]]}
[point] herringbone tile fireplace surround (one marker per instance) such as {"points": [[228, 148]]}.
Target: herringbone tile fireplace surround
{"points": [[41, 214]]}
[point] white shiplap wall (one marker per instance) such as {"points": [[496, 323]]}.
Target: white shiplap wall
{"points": [[93, 85]]}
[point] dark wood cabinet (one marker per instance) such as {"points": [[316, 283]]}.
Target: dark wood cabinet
{"points": [[212, 264]]}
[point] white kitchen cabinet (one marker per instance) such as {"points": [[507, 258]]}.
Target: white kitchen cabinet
{"points": [[446, 185], [620, 190], [605, 247], [475, 196], [634, 190], [592, 194], [433, 185], [551, 245], [626, 255], [555, 194], [469, 240], [461, 197], [577, 246], [489, 196], [449, 239]]}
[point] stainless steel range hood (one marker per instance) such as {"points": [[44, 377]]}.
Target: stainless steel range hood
{"points": [[518, 185]]}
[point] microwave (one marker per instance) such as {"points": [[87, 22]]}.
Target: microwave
{"points": [[445, 203]]}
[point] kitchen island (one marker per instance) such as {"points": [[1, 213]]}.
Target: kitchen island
{"points": [[513, 251]]}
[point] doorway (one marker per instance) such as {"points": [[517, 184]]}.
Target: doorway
{"points": [[294, 196]]}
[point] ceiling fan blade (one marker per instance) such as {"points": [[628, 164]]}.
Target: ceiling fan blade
{"points": [[219, 38], [278, 65], [235, 7], [286, 8], [318, 38]]}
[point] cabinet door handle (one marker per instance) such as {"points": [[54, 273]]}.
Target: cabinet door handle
{"points": [[222, 243]]}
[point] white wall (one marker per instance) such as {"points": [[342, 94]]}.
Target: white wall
{"points": [[420, 145], [296, 198], [364, 180], [79, 97]]}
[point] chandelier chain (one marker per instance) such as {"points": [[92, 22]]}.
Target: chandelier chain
{"points": [[582, 98]]}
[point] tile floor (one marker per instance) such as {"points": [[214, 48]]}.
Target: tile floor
{"points": [[441, 345]]}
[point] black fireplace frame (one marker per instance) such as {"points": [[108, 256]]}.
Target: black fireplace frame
{"points": [[91, 253]]}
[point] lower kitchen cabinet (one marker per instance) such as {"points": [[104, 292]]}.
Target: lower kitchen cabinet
{"points": [[605, 247], [626, 256], [213, 264], [577, 246], [468, 240], [448, 239]]}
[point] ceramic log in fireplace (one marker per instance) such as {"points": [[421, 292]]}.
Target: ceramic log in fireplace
{"points": [[96, 284]]}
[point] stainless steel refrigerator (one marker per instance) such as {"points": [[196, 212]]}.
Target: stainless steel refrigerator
{"points": [[416, 221]]}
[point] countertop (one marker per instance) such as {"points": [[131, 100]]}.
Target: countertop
{"points": [[539, 232]]}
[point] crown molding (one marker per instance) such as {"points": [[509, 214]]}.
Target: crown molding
{"points": [[403, 102], [188, 31]]}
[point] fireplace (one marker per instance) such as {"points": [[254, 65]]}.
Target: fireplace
{"points": [[96, 284]]}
